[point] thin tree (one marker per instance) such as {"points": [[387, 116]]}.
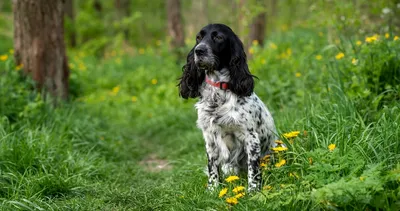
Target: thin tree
{"points": [[39, 44], [175, 27], [258, 25], [70, 13]]}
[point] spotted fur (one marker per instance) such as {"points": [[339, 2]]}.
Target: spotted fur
{"points": [[237, 127]]}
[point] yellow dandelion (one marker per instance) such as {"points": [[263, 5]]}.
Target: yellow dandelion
{"points": [[288, 51], [387, 35], [263, 61], [395, 38], [134, 99], [251, 51], [238, 189], [331, 147], [116, 89], [279, 149], [318, 57], [339, 56], [232, 178], [71, 66], [141, 50], [273, 46], [255, 42], [279, 142], [82, 67], [293, 175], [3, 57], [19, 67], [282, 185], [372, 38], [281, 163], [232, 200], [354, 61], [362, 178], [263, 165], [358, 43], [222, 192], [154, 81], [11, 51], [292, 134], [267, 187], [239, 195], [298, 75]]}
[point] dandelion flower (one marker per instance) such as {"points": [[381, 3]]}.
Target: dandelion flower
{"points": [[354, 61], [273, 45], [288, 51], [134, 99], [358, 43], [11, 51], [238, 189], [395, 38], [362, 178], [255, 42], [232, 178], [3, 57], [154, 81], [387, 35], [372, 38], [263, 165], [298, 75], [263, 61], [115, 90], [251, 51], [19, 67], [223, 192], [339, 56], [292, 134], [318, 57], [268, 187], [239, 195], [281, 163], [279, 149], [331, 147], [232, 200]]}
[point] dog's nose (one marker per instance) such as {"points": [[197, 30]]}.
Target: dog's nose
{"points": [[200, 50]]}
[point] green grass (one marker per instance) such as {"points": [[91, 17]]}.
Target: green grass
{"points": [[101, 150]]}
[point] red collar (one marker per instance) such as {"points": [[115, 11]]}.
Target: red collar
{"points": [[219, 84]]}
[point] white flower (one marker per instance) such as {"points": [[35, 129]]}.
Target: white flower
{"points": [[386, 10]]}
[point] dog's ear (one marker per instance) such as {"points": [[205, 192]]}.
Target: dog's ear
{"points": [[191, 78], [242, 82]]}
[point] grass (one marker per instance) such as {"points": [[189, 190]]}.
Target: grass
{"points": [[126, 141]]}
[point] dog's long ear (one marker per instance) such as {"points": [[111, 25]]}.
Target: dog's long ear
{"points": [[191, 78], [242, 82]]}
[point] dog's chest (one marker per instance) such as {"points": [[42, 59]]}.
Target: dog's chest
{"points": [[219, 108]]}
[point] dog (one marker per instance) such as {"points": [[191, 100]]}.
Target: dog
{"points": [[237, 127]]}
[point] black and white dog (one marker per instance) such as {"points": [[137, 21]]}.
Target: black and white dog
{"points": [[237, 127]]}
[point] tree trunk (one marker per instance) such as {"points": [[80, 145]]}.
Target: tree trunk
{"points": [[123, 10], [39, 44], [70, 12], [257, 28], [175, 28]]}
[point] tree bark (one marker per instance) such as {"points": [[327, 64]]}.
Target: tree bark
{"points": [[175, 27], [39, 44], [123, 10], [70, 12], [257, 28]]}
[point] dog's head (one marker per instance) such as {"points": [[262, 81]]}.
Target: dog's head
{"points": [[217, 47]]}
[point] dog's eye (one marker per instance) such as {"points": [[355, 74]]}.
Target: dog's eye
{"points": [[218, 38], [198, 38]]}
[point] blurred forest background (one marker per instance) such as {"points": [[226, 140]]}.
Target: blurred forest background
{"points": [[120, 138]]}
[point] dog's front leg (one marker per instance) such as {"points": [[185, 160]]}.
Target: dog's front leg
{"points": [[253, 151], [213, 165]]}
